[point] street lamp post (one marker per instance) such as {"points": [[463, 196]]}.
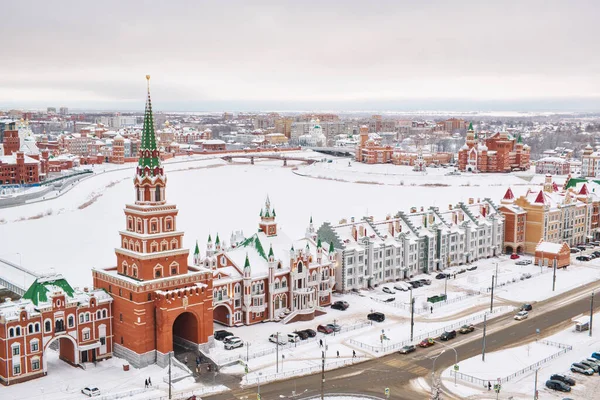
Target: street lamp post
{"points": [[554, 277], [259, 375], [455, 359], [592, 314], [433, 371], [277, 352], [247, 352]]}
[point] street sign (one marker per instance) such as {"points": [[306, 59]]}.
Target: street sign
{"points": [[456, 367], [387, 391]]}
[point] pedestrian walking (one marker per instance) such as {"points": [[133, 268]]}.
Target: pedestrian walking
{"points": [[149, 381], [489, 386], [146, 384], [185, 359], [432, 309], [338, 354], [320, 342], [353, 353]]}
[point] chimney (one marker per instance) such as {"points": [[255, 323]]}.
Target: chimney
{"points": [[449, 206]]}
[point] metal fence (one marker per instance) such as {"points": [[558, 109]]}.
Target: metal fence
{"points": [[483, 382], [513, 281], [254, 378]]}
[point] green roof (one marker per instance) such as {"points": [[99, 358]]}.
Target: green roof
{"points": [[253, 241], [519, 139], [271, 251], [247, 262], [319, 245], [470, 126], [151, 160], [574, 181], [197, 249], [209, 238], [38, 291], [217, 240], [331, 248]]}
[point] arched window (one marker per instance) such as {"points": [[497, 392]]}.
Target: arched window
{"points": [[158, 271], [134, 271], [131, 246], [300, 267], [124, 267], [125, 244], [164, 245], [98, 314], [71, 321], [157, 195], [138, 247], [130, 223], [153, 225], [174, 268], [139, 225], [18, 331], [277, 283], [237, 289], [173, 244], [169, 224], [284, 282], [37, 326], [104, 313], [30, 328], [87, 317], [47, 326], [11, 332]]}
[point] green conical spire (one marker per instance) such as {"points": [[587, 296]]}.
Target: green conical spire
{"points": [[331, 248], [247, 262], [470, 126], [271, 251], [261, 214], [519, 139], [311, 219], [197, 249], [217, 240], [149, 154], [209, 238], [319, 245], [274, 215]]}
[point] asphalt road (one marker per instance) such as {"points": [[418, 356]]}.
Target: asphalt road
{"points": [[394, 371]]}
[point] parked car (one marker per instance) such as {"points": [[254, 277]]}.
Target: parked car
{"points": [[310, 332], [590, 364], [340, 305], [376, 316], [302, 334], [558, 385], [521, 315], [526, 307], [234, 343], [335, 327], [526, 275], [574, 251], [583, 258], [279, 339], [466, 329], [324, 329], [440, 276], [425, 281], [91, 391], [581, 369], [521, 262], [563, 378], [596, 253], [461, 271], [514, 256], [593, 361], [472, 268], [229, 338], [401, 287], [407, 349], [387, 290], [415, 284], [582, 248], [427, 342], [448, 335], [220, 335], [293, 337]]}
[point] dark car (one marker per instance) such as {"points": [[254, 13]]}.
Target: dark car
{"points": [[220, 335], [574, 251], [409, 348], [472, 268], [415, 284], [376, 316], [311, 333], [582, 248], [440, 276], [302, 334], [424, 281], [324, 329], [526, 307], [448, 335], [558, 385], [466, 329], [340, 305], [563, 378]]}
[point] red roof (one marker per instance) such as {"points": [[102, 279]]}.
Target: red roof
{"points": [[540, 198], [508, 195], [584, 190]]}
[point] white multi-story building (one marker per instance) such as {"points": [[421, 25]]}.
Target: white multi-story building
{"points": [[370, 252]]}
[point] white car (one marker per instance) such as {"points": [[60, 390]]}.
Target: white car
{"points": [[234, 343], [388, 290], [91, 391], [282, 339], [521, 315], [402, 286], [293, 337]]}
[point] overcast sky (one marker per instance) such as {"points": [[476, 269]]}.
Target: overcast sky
{"points": [[287, 55]]}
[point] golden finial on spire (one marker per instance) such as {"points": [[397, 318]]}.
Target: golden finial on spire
{"points": [[148, 79]]}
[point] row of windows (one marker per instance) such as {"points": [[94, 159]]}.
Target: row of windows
{"points": [[59, 324], [154, 224], [35, 365], [154, 246]]}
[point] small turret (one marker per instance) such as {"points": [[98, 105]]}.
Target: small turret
{"points": [[197, 254], [267, 223], [310, 230], [217, 244], [209, 247], [331, 252], [247, 268], [319, 250]]}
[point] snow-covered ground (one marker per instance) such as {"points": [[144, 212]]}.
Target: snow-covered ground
{"points": [[506, 362]]}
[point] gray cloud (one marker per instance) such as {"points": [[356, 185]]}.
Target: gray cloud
{"points": [[294, 52]]}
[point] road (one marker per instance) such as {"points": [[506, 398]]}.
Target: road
{"points": [[395, 371]]}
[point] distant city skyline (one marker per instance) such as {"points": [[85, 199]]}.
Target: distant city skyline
{"points": [[352, 55]]}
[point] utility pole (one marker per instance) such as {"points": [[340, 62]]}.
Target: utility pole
{"points": [[412, 316], [277, 352], [535, 392], [496, 272], [492, 297], [170, 376], [554, 277], [484, 327], [322, 374], [591, 314], [446, 288]]}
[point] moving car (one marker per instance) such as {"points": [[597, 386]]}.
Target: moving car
{"points": [[324, 329], [409, 348], [558, 385], [281, 339], [466, 329], [220, 335], [526, 307], [427, 342], [310, 332], [448, 335], [335, 327], [581, 369], [340, 305], [441, 276], [293, 337], [376, 316], [91, 391], [563, 378], [387, 290], [521, 315], [234, 343]]}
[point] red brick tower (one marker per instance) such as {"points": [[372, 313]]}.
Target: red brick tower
{"points": [[158, 299], [118, 150]]}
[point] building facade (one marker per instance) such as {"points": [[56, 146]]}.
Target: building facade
{"points": [[52, 313], [268, 276], [370, 252], [158, 298], [18, 169], [498, 153], [590, 162], [553, 166]]}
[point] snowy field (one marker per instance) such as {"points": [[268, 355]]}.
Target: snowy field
{"points": [[506, 362], [212, 197]]}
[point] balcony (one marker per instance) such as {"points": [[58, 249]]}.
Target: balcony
{"points": [[221, 299]]}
